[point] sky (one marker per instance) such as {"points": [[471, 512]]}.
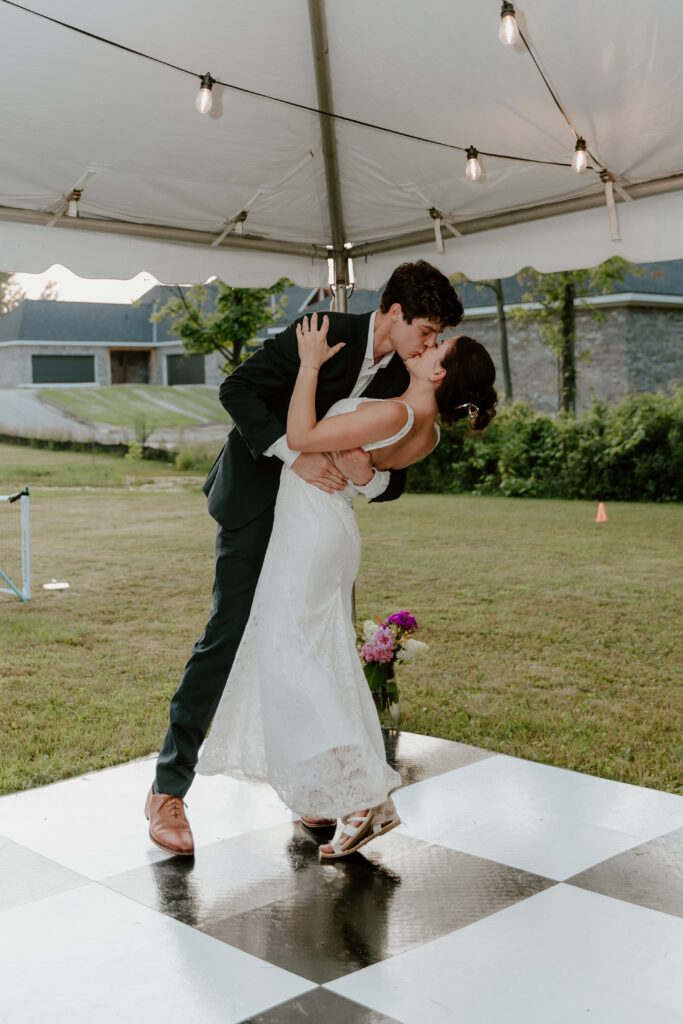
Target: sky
{"points": [[71, 288]]}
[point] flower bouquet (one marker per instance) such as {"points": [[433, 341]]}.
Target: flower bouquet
{"points": [[382, 645]]}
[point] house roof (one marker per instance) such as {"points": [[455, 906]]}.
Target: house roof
{"points": [[49, 320]]}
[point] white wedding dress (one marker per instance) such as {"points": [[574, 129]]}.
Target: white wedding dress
{"points": [[296, 710]]}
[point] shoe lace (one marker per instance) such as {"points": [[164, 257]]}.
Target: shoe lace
{"points": [[175, 806]]}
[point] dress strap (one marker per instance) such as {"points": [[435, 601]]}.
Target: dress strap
{"points": [[395, 437]]}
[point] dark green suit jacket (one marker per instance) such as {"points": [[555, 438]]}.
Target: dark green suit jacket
{"points": [[243, 481]]}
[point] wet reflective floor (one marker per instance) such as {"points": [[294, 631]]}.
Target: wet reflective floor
{"points": [[512, 892]]}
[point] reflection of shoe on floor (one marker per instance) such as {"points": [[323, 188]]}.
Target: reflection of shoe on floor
{"points": [[358, 829], [169, 828]]}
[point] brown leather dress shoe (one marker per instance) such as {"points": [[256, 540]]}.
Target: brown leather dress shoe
{"points": [[169, 828]]}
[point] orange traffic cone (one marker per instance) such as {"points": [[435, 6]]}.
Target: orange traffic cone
{"points": [[602, 515]]}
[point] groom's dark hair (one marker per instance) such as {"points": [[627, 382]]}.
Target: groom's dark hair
{"points": [[422, 291]]}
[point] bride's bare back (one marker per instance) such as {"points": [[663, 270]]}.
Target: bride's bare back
{"points": [[415, 444]]}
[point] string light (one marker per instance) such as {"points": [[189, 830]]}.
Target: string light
{"points": [[204, 100], [508, 33], [580, 158], [473, 168], [72, 208]]}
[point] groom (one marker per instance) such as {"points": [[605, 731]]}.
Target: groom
{"points": [[417, 303]]}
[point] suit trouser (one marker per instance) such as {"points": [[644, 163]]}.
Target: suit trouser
{"points": [[239, 557]]}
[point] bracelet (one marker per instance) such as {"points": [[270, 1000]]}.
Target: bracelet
{"points": [[307, 366]]}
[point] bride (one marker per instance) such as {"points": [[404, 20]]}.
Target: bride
{"points": [[297, 711]]}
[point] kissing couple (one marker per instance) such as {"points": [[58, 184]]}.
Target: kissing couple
{"points": [[328, 409]]}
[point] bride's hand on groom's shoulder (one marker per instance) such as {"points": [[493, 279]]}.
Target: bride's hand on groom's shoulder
{"points": [[312, 342]]}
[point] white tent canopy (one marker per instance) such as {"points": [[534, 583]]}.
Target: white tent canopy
{"points": [[164, 187]]}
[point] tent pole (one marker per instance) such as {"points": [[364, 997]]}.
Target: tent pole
{"points": [[321, 58], [341, 281]]}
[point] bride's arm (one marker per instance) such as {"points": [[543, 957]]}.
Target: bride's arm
{"points": [[373, 421]]}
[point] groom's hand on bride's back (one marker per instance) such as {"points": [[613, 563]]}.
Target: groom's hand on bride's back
{"points": [[355, 464], [319, 470]]}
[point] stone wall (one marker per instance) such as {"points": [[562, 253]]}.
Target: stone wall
{"points": [[630, 348], [655, 348], [15, 361], [11, 366]]}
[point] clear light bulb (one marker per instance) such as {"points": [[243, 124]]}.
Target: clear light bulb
{"points": [[508, 33], [204, 100], [580, 158], [473, 168], [72, 209]]}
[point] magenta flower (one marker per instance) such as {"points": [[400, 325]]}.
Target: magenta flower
{"points": [[404, 620]]}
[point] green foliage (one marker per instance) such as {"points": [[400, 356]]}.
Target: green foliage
{"points": [[230, 325], [196, 458], [11, 294], [631, 452], [547, 291], [134, 453]]}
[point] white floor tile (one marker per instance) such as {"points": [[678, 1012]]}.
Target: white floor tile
{"points": [[564, 955], [95, 824], [532, 816], [93, 955], [26, 876]]}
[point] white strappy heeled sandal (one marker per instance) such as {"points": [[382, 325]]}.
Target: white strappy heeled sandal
{"points": [[358, 830]]}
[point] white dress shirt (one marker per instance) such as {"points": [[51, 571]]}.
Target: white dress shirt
{"points": [[380, 479]]}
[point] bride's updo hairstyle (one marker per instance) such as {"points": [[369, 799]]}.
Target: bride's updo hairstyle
{"points": [[467, 389]]}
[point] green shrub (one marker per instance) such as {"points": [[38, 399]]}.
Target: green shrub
{"points": [[134, 453], [631, 452], [199, 458]]}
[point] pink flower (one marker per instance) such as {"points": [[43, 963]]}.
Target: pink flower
{"points": [[381, 648]]}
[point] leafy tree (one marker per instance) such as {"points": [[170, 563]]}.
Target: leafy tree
{"points": [[556, 297], [50, 292], [227, 325], [496, 286], [11, 294]]}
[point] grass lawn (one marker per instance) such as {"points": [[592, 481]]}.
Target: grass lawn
{"points": [[552, 638], [22, 466], [125, 405]]}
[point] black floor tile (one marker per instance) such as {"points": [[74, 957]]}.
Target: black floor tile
{"points": [[266, 893], [320, 1007], [650, 875]]}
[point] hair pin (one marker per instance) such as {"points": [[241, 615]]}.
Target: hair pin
{"points": [[472, 409]]}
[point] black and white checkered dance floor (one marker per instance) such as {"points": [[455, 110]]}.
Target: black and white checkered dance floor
{"points": [[513, 893]]}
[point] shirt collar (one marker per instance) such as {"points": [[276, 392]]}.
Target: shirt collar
{"points": [[369, 360]]}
